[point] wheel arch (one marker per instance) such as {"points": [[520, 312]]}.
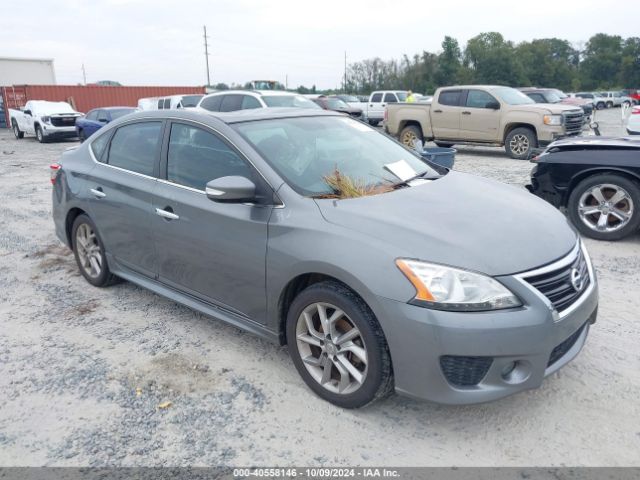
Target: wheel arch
{"points": [[576, 179], [410, 123], [71, 216], [296, 285], [512, 126]]}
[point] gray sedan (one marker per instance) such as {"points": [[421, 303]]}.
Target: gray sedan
{"points": [[380, 272]]}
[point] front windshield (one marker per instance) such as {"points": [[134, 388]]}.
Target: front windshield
{"points": [[560, 94], [336, 103], [121, 112], [297, 101], [307, 151], [511, 96], [191, 100], [552, 97], [349, 98]]}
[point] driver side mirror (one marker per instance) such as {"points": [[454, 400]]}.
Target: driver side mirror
{"points": [[234, 189], [493, 105], [27, 112], [103, 120]]}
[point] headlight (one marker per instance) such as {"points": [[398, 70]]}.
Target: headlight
{"points": [[447, 288], [553, 119], [46, 119]]}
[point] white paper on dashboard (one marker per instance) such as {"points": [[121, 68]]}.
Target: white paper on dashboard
{"points": [[401, 169]]}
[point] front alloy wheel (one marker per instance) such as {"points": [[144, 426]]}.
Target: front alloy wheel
{"points": [[331, 348]]}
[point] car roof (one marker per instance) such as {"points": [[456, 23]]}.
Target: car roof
{"points": [[254, 92], [249, 115], [114, 108]]}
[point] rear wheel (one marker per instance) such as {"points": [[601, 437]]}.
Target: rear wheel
{"points": [[89, 253], [520, 143], [338, 346], [409, 135], [605, 207], [600, 105], [16, 130], [373, 123], [609, 104]]}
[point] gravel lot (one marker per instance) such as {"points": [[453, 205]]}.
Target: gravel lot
{"points": [[83, 370]]}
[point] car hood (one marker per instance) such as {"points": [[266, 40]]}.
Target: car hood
{"points": [[597, 142], [547, 108], [460, 220]]}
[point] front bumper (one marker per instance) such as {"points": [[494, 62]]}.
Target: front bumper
{"points": [[51, 131], [419, 339]]}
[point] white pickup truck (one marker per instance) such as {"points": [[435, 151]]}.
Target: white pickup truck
{"points": [[373, 110], [46, 120]]}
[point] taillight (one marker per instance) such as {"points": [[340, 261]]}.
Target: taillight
{"points": [[635, 111], [55, 168]]}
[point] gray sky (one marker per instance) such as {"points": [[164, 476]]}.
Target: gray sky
{"points": [[157, 42]]}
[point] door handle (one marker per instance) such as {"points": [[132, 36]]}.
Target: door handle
{"points": [[383, 105], [167, 214], [437, 111], [98, 192], [466, 113]]}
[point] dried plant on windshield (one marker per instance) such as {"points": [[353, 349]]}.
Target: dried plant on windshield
{"points": [[344, 186]]}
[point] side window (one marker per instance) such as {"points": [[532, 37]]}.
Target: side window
{"points": [[450, 97], [212, 103], [231, 103], [92, 115], [160, 104], [103, 116], [249, 102], [98, 146], [134, 147], [390, 98], [167, 103], [480, 99], [376, 98], [197, 156]]}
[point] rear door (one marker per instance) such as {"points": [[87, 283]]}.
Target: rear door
{"points": [[120, 188], [231, 103], [213, 251], [445, 114], [375, 110], [477, 121]]}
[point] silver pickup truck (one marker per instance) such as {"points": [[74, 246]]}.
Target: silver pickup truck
{"points": [[484, 115]]}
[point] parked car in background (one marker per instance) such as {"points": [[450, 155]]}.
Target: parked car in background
{"points": [[615, 99], [334, 103], [599, 102], [378, 101], [596, 179], [633, 121], [383, 291], [233, 100], [97, 118], [46, 120], [354, 101], [169, 102], [551, 95], [485, 115]]}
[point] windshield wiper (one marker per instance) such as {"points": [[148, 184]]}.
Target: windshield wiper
{"points": [[423, 175]]}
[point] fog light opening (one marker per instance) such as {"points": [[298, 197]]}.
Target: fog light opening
{"points": [[515, 372]]}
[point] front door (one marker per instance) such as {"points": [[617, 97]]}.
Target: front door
{"points": [[214, 251], [478, 122], [119, 189]]}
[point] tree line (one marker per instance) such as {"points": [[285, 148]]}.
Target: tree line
{"points": [[604, 62]]}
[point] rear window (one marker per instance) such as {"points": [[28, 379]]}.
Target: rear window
{"points": [[231, 103], [297, 101], [212, 103], [450, 97], [190, 100], [134, 147], [390, 98]]}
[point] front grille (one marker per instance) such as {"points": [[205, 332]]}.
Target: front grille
{"points": [[465, 371], [563, 286], [559, 352], [63, 121], [573, 122]]}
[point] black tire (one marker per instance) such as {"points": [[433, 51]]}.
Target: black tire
{"points": [[521, 143], [378, 382], [16, 130], [444, 144], [600, 106], [373, 123], [609, 104], [105, 278], [81, 136], [409, 134], [632, 187], [40, 135]]}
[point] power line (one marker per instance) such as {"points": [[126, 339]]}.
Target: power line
{"points": [[206, 54]]}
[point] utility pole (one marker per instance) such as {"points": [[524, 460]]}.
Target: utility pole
{"points": [[286, 81], [345, 72], [84, 74], [206, 55]]}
